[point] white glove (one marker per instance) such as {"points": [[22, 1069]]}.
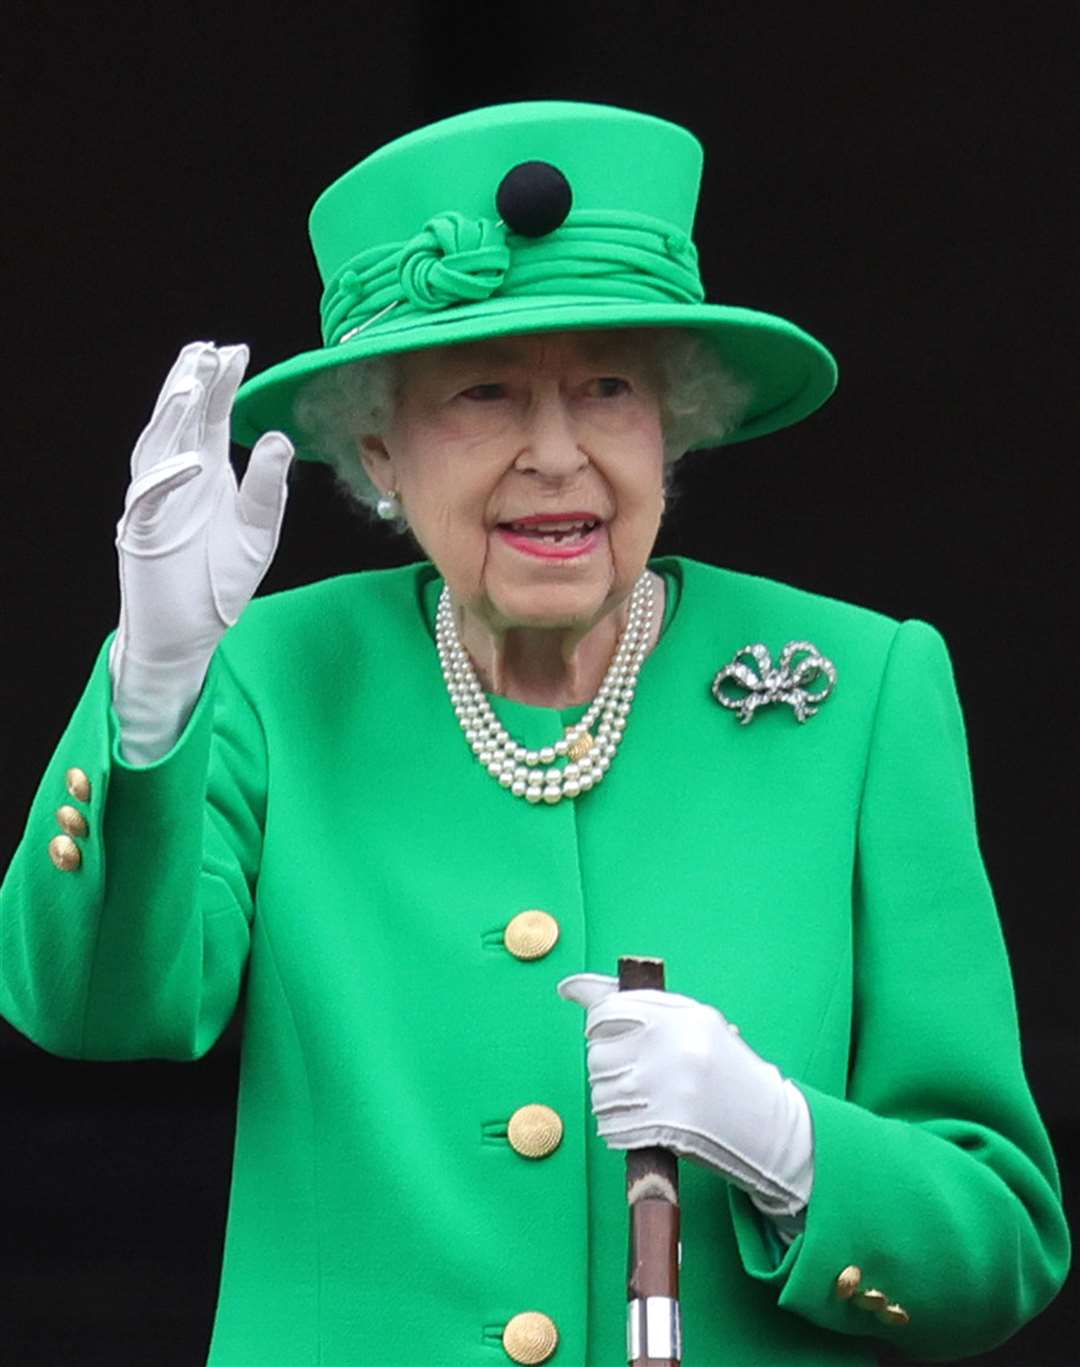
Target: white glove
{"points": [[666, 1069], [192, 546]]}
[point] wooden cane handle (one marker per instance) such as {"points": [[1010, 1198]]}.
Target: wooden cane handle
{"points": [[652, 1191], [635, 972]]}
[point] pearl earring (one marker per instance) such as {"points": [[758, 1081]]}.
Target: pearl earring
{"points": [[389, 506]]}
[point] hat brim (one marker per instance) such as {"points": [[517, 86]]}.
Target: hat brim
{"points": [[789, 373]]}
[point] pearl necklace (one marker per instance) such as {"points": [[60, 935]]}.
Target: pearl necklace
{"points": [[533, 774]]}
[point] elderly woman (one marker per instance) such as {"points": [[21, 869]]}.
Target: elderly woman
{"points": [[410, 811]]}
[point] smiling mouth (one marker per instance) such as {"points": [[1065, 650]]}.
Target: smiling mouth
{"points": [[553, 533]]}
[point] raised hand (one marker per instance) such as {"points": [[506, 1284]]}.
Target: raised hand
{"points": [[192, 544]]}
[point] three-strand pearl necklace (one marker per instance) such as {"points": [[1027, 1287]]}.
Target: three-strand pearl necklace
{"points": [[534, 774]]}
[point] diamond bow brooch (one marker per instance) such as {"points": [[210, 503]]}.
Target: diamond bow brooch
{"points": [[783, 683]]}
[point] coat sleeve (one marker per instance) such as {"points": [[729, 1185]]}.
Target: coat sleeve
{"points": [[140, 951], [933, 1174]]}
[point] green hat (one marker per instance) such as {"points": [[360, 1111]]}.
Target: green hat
{"points": [[520, 218]]}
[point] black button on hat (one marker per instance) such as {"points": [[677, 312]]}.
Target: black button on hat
{"points": [[533, 198]]}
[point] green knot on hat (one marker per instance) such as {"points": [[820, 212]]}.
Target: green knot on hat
{"points": [[453, 260], [539, 216], [456, 260]]}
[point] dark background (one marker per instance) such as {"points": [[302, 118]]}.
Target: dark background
{"points": [[895, 179]]}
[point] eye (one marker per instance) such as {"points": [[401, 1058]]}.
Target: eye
{"points": [[483, 393], [607, 387]]}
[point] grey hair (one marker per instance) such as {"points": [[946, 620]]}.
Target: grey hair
{"points": [[701, 402]]}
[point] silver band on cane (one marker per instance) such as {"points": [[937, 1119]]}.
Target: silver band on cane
{"points": [[653, 1329]]}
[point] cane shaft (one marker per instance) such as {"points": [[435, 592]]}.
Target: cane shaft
{"points": [[654, 1334]]}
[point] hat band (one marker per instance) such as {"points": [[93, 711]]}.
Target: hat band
{"points": [[461, 260]]}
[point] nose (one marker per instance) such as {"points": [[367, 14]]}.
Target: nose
{"points": [[550, 441]]}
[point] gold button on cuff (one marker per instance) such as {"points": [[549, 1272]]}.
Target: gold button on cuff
{"points": [[872, 1299], [535, 1131], [531, 934], [530, 1337], [71, 820], [64, 853], [848, 1282], [78, 785], [893, 1313]]}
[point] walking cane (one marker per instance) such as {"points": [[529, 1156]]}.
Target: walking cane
{"points": [[653, 1323]]}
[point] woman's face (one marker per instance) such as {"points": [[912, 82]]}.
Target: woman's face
{"points": [[530, 469]]}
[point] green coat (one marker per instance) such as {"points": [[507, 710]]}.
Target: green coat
{"points": [[322, 828]]}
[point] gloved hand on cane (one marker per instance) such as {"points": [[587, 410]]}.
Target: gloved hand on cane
{"points": [[193, 546], [665, 1069]]}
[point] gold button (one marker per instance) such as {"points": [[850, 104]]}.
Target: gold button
{"points": [[848, 1282], [893, 1314], [535, 1131], [530, 1337], [71, 820], [531, 934], [872, 1300], [78, 785], [64, 853]]}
